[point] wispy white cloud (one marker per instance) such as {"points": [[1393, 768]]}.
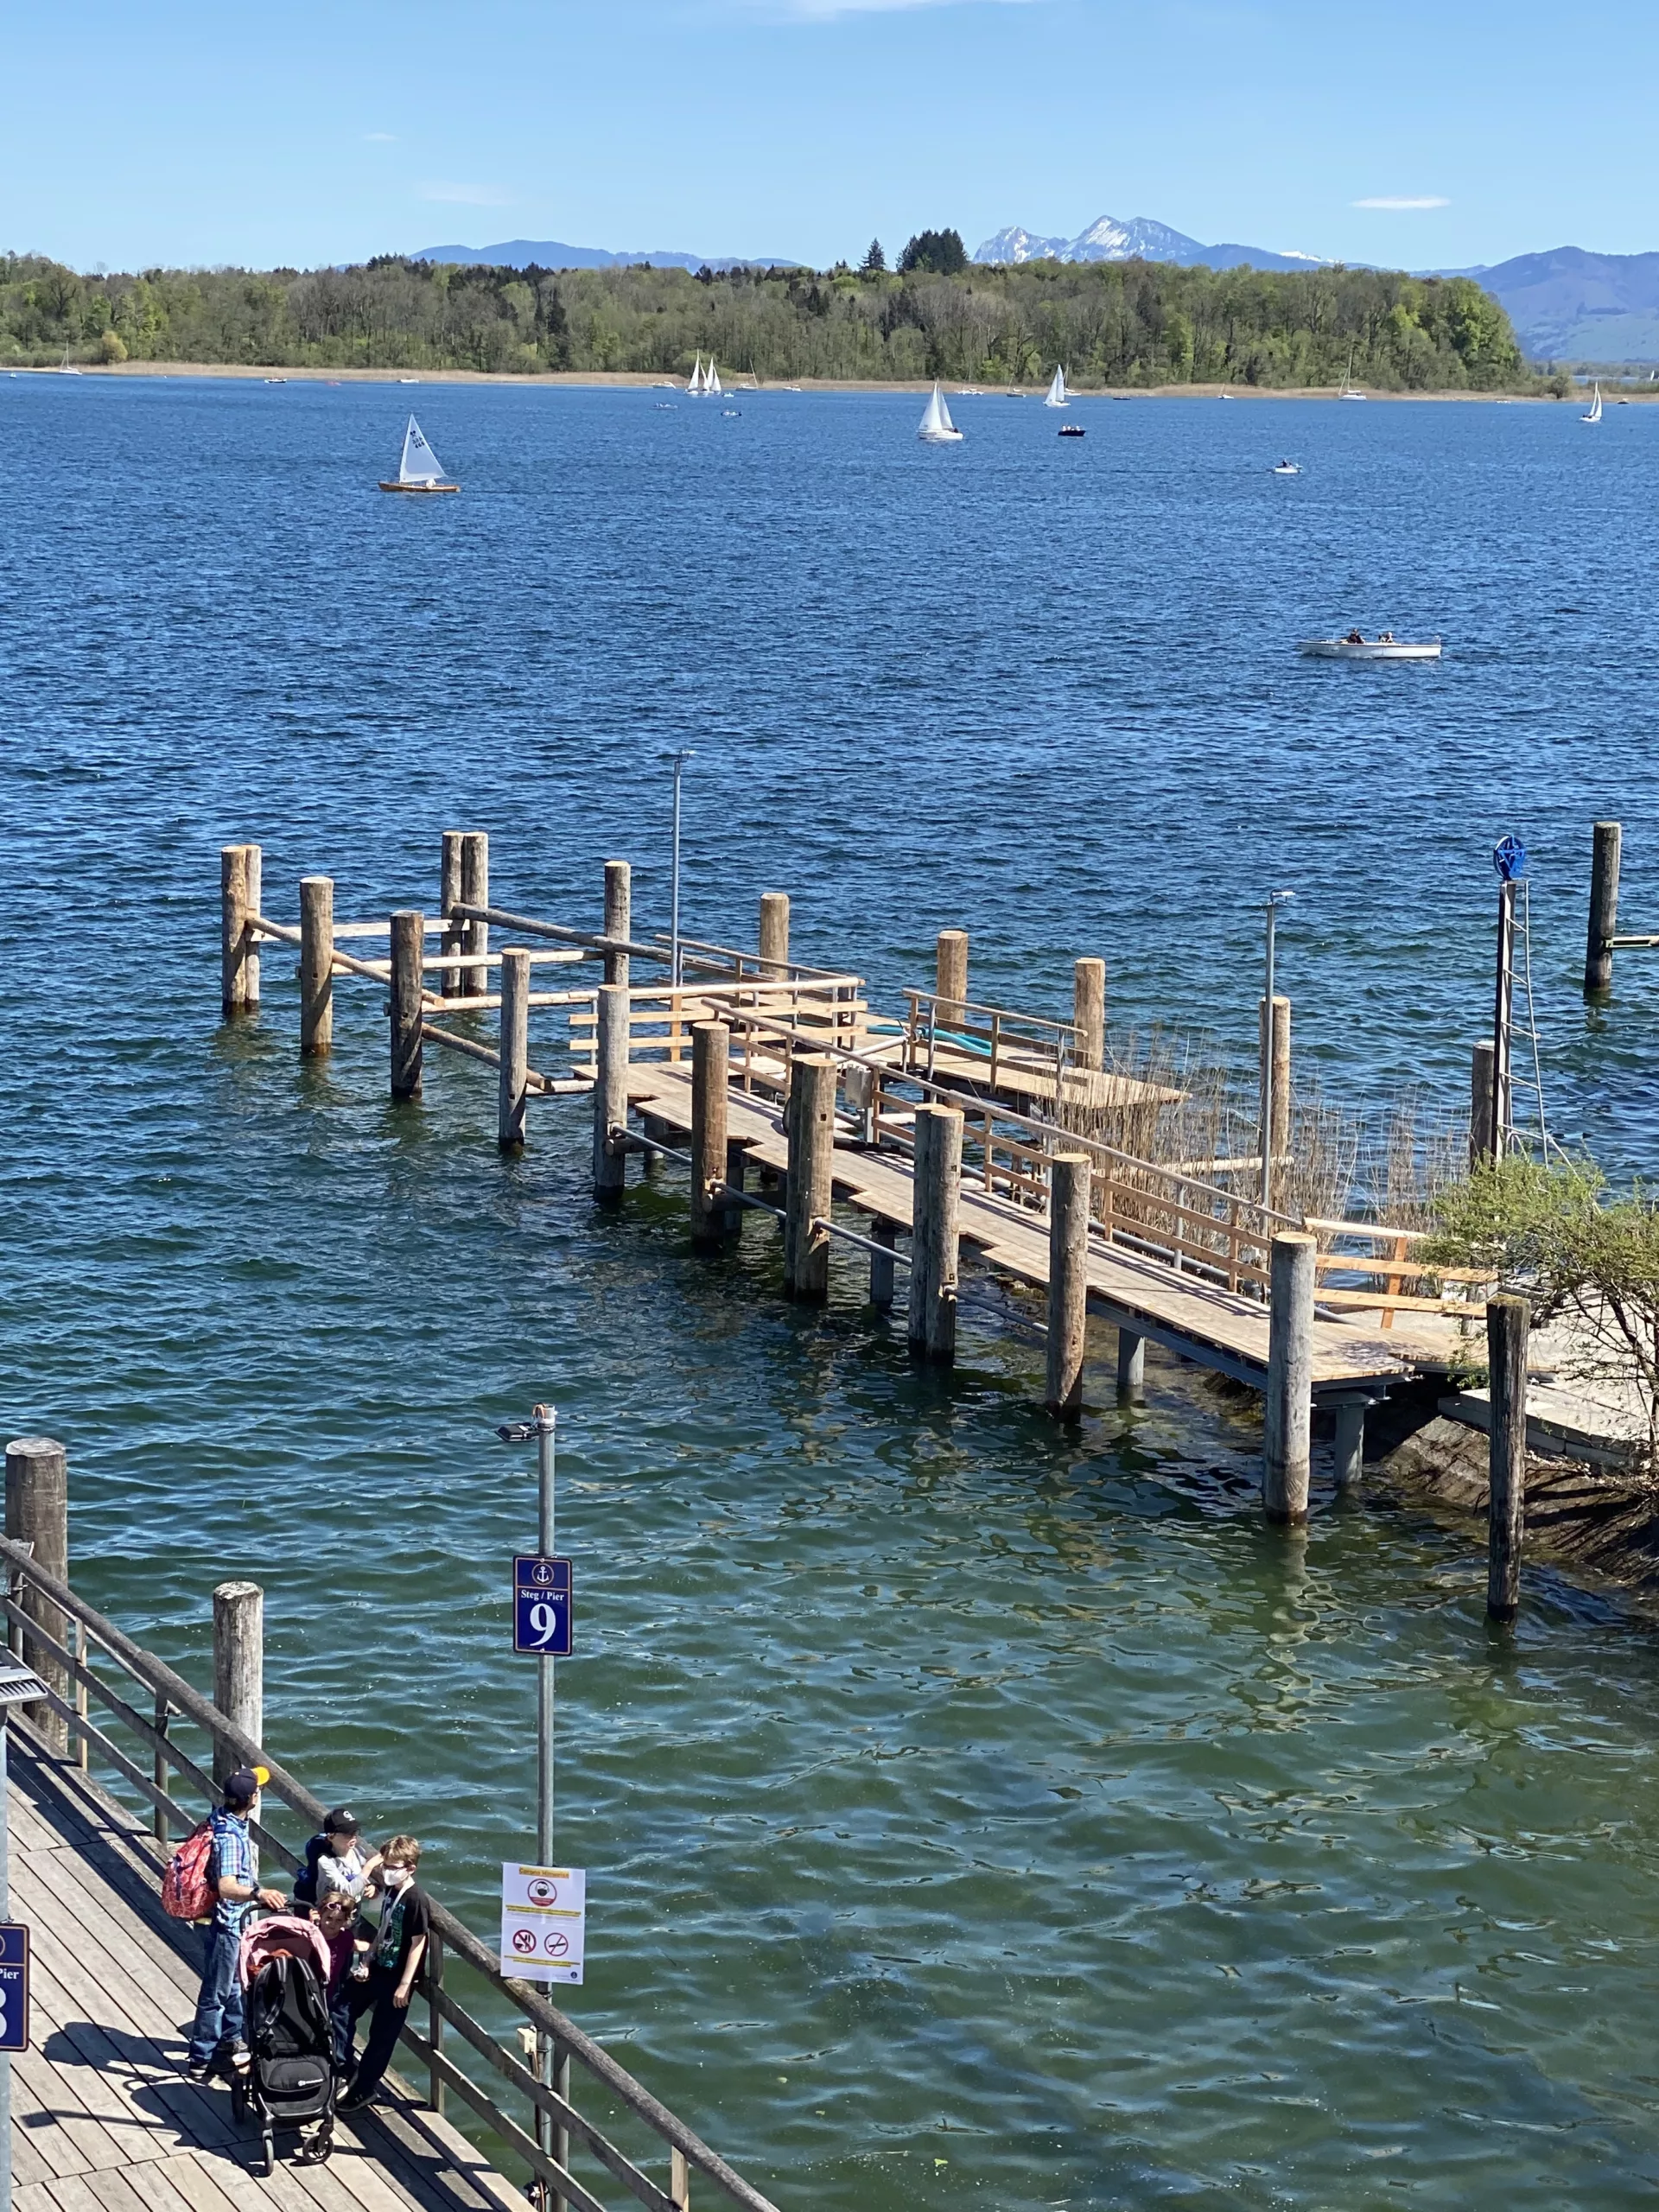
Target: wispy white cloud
{"points": [[1428, 200], [380, 138], [467, 195]]}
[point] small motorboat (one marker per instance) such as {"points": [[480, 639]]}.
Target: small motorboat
{"points": [[730, 414], [419, 469], [1071, 430], [1384, 646], [666, 406], [1287, 468]]}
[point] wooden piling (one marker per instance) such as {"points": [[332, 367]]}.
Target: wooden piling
{"points": [[1275, 1132], [1287, 1414], [710, 1076], [885, 1234], [515, 1047], [1351, 1442], [1131, 1367], [951, 976], [407, 948], [1604, 908], [1088, 1012], [774, 933], [239, 887], [475, 891], [1068, 1280], [934, 1237], [812, 1126], [37, 1512], [610, 1091], [238, 1668], [1508, 1321], [456, 984], [1482, 1089], [316, 966], [619, 917]]}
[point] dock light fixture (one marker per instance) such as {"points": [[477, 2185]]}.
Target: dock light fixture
{"points": [[686, 752], [1269, 1134]]}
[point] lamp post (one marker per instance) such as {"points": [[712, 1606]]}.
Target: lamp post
{"points": [[679, 758], [1275, 900]]}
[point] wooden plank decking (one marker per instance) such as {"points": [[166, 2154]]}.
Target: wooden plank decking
{"points": [[104, 2119], [1183, 1313]]}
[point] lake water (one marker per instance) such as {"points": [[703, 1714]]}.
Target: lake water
{"points": [[973, 1811]]}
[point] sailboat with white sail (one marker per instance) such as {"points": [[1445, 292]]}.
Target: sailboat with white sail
{"points": [[711, 381], [695, 383], [420, 469], [1594, 414], [1348, 390], [1057, 392], [936, 427]]}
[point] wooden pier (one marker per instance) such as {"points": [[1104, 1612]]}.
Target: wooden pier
{"points": [[840, 1105]]}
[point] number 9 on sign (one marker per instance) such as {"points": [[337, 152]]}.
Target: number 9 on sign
{"points": [[542, 1607]]}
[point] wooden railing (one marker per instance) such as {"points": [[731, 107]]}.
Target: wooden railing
{"points": [[59, 1632], [938, 1030], [769, 1021], [1390, 1265]]}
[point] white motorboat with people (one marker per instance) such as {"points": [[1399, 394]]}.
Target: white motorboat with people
{"points": [[420, 469], [1383, 646], [1287, 468], [936, 427]]}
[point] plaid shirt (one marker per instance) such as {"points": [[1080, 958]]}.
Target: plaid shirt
{"points": [[236, 1860]]}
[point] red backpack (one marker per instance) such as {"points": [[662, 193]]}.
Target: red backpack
{"points": [[187, 1889]]}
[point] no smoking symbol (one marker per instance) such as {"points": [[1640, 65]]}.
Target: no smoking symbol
{"points": [[556, 1944]]}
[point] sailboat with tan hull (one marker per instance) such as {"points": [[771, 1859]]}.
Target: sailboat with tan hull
{"points": [[419, 470]]}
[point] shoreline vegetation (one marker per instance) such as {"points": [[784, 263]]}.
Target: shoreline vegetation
{"points": [[1122, 327]]}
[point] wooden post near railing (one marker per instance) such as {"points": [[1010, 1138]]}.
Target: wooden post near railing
{"points": [[1509, 1321], [710, 1076], [951, 976], [37, 1512], [1604, 909], [455, 981], [1068, 1280], [1131, 1367], [316, 966], [1088, 1012], [1482, 1088], [238, 1668], [474, 891], [934, 1244], [619, 917], [408, 951], [432, 1975], [515, 1048], [810, 1122], [774, 933], [1275, 1135], [1288, 1412], [240, 892], [885, 1234], [679, 2181], [610, 1090]]}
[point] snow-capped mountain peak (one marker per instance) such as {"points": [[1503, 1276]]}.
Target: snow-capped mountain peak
{"points": [[1141, 239]]}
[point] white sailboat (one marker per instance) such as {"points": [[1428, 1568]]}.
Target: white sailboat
{"points": [[420, 469], [1594, 415], [1348, 390], [1057, 392], [695, 383], [65, 367], [711, 381], [937, 426]]}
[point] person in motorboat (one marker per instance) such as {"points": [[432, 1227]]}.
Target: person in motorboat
{"points": [[1385, 637], [1353, 637]]}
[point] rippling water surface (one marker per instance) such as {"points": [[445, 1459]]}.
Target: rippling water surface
{"points": [[973, 1811]]}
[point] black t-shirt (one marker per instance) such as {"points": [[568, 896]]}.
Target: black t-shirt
{"points": [[404, 1919]]}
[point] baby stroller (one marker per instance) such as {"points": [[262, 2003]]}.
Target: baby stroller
{"points": [[289, 2080]]}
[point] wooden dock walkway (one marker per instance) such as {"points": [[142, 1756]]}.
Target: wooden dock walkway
{"points": [[102, 2117], [1182, 1311]]}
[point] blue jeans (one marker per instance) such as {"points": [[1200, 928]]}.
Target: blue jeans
{"points": [[219, 2008]]}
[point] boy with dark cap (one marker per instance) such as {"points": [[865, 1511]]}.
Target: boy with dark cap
{"points": [[334, 1860], [234, 1874]]}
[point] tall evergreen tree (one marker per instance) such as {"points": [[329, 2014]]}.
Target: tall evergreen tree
{"points": [[874, 261]]}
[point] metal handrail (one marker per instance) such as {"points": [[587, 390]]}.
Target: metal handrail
{"points": [[457, 1938]]}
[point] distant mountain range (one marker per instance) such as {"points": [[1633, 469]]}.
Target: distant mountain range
{"points": [[1566, 305], [1139, 238], [550, 253]]}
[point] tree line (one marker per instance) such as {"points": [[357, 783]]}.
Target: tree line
{"points": [[1117, 323]]}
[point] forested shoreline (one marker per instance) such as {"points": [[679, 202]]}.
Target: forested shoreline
{"points": [[1131, 323]]}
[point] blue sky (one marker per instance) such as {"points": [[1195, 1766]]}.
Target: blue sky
{"points": [[174, 131]]}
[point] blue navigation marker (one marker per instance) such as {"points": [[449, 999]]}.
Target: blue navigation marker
{"points": [[1510, 859], [541, 1605], [14, 1986]]}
